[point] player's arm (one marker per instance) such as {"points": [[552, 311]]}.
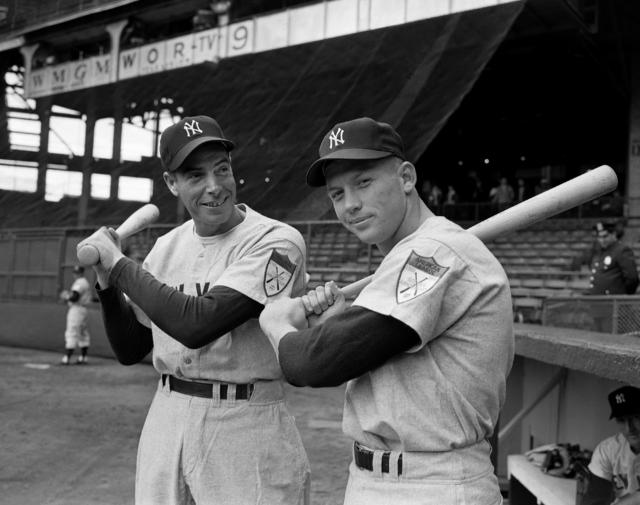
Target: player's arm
{"points": [[599, 491], [629, 270], [130, 340], [341, 347], [194, 321]]}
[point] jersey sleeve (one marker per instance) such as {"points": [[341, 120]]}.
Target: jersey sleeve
{"points": [[425, 285], [272, 268], [600, 464]]}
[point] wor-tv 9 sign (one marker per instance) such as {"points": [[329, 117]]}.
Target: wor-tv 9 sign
{"points": [[192, 49]]}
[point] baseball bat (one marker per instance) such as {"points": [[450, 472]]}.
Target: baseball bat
{"points": [[574, 192], [88, 255]]}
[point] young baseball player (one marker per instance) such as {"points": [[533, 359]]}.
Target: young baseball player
{"points": [[614, 471], [426, 346], [77, 332], [218, 430]]}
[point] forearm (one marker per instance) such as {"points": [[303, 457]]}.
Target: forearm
{"points": [[194, 321], [343, 348], [130, 340]]}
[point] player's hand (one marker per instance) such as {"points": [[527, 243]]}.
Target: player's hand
{"points": [[107, 242], [281, 317], [323, 302], [64, 295]]}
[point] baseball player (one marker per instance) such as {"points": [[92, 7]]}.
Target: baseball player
{"points": [[77, 332], [218, 430], [426, 346], [614, 471]]}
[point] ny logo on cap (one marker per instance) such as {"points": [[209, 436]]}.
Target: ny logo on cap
{"points": [[192, 128], [335, 138], [620, 398]]}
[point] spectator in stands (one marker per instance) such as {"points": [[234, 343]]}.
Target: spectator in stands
{"points": [[521, 191], [435, 197], [452, 196], [542, 186], [502, 195], [77, 332], [613, 266], [614, 471]]}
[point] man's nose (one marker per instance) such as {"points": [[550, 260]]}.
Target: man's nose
{"points": [[212, 183], [352, 201]]}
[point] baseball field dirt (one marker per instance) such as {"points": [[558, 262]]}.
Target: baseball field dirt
{"points": [[68, 434]]}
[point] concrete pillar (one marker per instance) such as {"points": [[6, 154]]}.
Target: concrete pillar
{"points": [[87, 161], [115, 31], [116, 147], [633, 161], [43, 108]]}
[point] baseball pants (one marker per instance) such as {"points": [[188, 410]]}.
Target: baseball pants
{"points": [[205, 451], [77, 332], [457, 477]]}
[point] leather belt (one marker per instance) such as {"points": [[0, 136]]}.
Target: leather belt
{"points": [[364, 459], [206, 389]]}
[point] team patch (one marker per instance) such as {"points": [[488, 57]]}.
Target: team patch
{"points": [[278, 273], [419, 274]]}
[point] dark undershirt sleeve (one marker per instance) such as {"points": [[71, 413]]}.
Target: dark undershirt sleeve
{"points": [[599, 491], [346, 346], [194, 321], [130, 340], [74, 297]]}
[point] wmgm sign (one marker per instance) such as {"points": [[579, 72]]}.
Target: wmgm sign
{"points": [[74, 75]]}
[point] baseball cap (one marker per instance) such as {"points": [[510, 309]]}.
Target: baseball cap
{"points": [[602, 226], [624, 401], [358, 139], [179, 140]]}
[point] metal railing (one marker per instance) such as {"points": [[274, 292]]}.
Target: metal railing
{"points": [[606, 314]]}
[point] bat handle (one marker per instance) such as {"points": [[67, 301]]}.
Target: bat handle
{"points": [[352, 290], [88, 255]]}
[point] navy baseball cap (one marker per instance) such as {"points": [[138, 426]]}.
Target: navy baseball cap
{"points": [[624, 401], [179, 140], [602, 226], [358, 139]]}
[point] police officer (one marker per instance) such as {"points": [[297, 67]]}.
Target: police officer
{"points": [[613, 267]]}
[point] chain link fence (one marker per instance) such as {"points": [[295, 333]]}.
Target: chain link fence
{"points": [[606, 314]]}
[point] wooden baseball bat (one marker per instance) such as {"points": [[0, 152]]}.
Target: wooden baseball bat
{"points": [[574, 192], [88, 255]]}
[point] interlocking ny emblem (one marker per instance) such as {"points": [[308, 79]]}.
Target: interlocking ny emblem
{"points": [[335, 138], [419, 275], [620, 398], [278, 273], [192, 128]]}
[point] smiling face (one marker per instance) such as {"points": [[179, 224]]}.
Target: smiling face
{"points": [[205, 185], [370, 197], [606, 238], [630, 428]]}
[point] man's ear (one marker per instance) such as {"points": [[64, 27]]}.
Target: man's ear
{"points": [[170, 181], [408, 175]]}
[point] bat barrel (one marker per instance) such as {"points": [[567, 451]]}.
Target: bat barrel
{"points": [[565, 196]]}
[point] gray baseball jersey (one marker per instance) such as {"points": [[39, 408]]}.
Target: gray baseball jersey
{"points": [[261, 258], [445, 393]]}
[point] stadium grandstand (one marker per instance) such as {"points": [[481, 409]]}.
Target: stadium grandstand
{"points": [[537, 91]]}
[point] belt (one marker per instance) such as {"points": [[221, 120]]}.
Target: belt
{"points": [[206, 389], [364, 459]]}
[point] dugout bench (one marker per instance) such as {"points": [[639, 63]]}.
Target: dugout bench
{"points": [[528, 485]]}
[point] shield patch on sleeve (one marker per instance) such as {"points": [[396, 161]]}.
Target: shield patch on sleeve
{"points": [[278, 273], [418, 275]]}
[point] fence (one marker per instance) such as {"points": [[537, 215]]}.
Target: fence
{"points": [[606, 314], [36, 263]]}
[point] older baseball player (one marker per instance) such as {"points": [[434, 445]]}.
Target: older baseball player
{"points": [[76, 333], [218, 430], [614, 470], [426, 346]]}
